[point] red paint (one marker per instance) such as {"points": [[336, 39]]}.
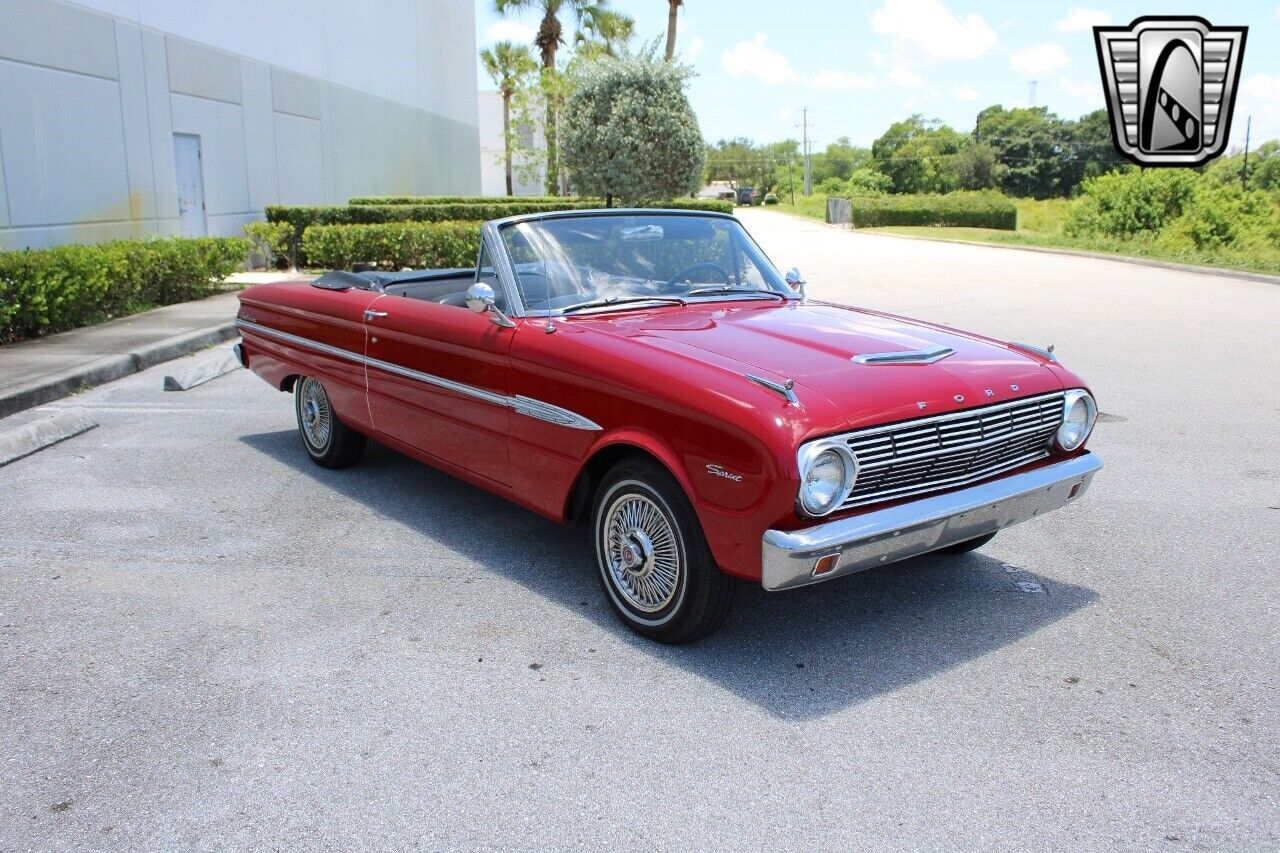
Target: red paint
{"points": [[666, 380]]}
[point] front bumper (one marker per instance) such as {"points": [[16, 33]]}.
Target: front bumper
{"points": [[921, 526]]}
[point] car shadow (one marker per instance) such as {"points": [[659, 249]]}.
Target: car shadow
{"points": [[799, 655]]}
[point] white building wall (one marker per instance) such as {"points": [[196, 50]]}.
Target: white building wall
{"points": [[295, 101], [493, 174]]}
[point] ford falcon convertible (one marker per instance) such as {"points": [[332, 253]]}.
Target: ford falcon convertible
{"points": [[650, 375]]}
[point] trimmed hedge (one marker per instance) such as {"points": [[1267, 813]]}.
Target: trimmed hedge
{"points": [[967, 209], [395, 245], [303, 217], [461, 199], [49, 290]]}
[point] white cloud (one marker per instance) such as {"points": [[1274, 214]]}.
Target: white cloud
{"points": [[756, 59], [965, 93], [507, 30], [786, 114], [905, 78], [690, 53], [1079, 20], [1259, 97], [929, 26], [841, 81], [1278, 11], [1090, 91], [1039, 58]]}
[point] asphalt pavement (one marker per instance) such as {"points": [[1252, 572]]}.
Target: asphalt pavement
{"points": [[207, 642]]}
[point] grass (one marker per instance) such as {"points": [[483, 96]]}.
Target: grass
{"points": [[1040, 225]]}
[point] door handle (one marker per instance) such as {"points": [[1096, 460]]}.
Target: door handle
{"points": [[369, 313]]}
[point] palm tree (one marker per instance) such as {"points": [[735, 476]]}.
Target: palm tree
{"points": [[508, 64], [607, 33], [548, 40], [672, 7]]}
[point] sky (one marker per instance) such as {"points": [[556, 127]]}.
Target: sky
{"points": [[859, 65]]}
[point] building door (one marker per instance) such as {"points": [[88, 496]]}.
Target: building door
{"points": [[186, 157]]}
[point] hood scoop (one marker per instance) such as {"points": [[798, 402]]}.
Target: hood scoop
{"points": [[919, 356]]}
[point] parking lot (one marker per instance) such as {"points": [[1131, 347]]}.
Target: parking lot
{"points": [[208, 642]]}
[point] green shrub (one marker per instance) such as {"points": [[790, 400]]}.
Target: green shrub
{"points": [[272, 240], [395, 245], [770, 198], [972, 209], [1124, 204], [49, 290], [302, 217], [1224, 216]]}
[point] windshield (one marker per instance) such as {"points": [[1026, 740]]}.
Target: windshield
{"points": [[597, 263]]}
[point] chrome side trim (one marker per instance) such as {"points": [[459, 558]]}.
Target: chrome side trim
{"points": [[553, 414], [520, 404], [782, 388], [920, 526], [921, 356]]}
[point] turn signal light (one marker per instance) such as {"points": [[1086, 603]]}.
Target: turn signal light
{"points": [[825, 565]]}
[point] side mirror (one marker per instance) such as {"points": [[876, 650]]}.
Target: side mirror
{"points": [[481, 299], [795, 281]]}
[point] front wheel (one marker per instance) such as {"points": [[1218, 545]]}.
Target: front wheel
{"points": [[329, 442], [655, 564]]}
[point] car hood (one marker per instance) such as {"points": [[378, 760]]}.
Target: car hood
{"points": [[814, 344]]}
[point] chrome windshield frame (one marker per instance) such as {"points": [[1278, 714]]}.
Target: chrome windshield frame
{"points": [[491, 235]]}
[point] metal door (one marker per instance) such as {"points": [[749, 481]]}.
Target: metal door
{"points": [[186, 158]]}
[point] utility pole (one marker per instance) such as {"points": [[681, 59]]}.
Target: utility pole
{"points": [[808, 166], [1031, 92], [1244, 173]]}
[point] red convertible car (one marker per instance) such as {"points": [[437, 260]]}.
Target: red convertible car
{"points": [[650, 374]]}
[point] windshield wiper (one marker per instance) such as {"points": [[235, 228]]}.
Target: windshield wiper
{"points": [[736, 291], [607, 303]]}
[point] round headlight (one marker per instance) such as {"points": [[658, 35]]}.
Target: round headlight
{"points": [[1079, 414], [826, 477]]}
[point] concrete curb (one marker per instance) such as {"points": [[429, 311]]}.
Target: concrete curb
{"points": [[112, 367], [1050, 250], [26, 440], [201, 371]]}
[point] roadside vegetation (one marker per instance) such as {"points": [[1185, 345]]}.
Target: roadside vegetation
{"points": [[51, 290], [1069, 185]]}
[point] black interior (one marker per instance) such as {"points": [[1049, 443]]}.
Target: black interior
{"points": [[448, 286]]}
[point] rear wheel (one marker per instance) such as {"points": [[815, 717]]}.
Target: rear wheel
{"points": [[966, 547], [329, 442], [654, 562]]}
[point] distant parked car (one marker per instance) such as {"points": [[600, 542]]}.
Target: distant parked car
{"points": [[746, 195]]}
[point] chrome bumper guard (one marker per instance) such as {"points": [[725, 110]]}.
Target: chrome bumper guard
{"points": [[238, 349], [920, 526]]}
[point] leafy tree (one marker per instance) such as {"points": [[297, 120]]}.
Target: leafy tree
{"points": [[509, 65], [1264, 168], [630, 133], [918, 155], [977, 167], [1125, 204], [1030, 143], [839, 160], [548, 41]]}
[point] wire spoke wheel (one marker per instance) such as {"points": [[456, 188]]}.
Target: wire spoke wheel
{"points": [[641, 552], [315, 415]]}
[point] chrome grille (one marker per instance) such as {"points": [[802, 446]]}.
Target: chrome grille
{"points": [[931, 454]]}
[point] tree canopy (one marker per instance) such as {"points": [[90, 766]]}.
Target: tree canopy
{"points": [[629, 132]]}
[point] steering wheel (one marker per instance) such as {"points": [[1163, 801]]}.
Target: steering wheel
{"points": [[707, 265]]}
